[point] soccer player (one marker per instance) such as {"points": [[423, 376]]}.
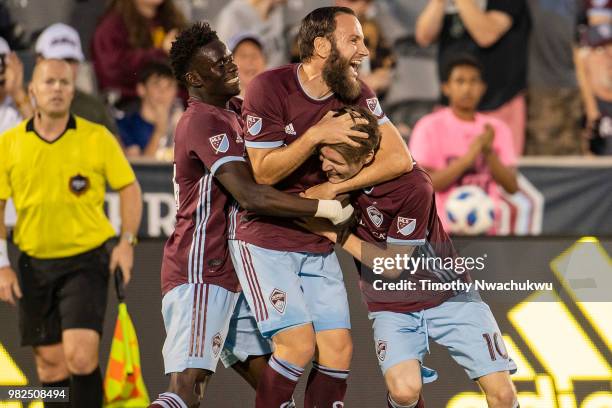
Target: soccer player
{"points": [[399, 217], [199, 285], [290, 277], [56, 166]]}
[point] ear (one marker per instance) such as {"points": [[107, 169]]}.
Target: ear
{"points": [[322, 47], [368, 159], [194, 79], [140, 90], [445, 89]]}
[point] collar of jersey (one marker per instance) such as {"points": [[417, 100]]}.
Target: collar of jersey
{"points": [[70, 125]]}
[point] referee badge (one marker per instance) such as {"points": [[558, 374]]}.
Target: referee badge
{"points": [[78, 184]]}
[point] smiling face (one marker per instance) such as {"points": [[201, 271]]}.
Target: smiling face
{"points": [[348, 50], [214, 70], [52, 87]]}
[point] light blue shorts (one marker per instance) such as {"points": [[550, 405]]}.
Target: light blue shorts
{"points": [[286, 289], [197, 318], [243, 338], [463, 324]]}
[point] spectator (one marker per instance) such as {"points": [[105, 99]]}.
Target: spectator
{"points": [[459, 146], [596, 58], [554, 105], [377, 70], [148, 131], [265, 18], [60, 41], [248, 57], [132, 33], [496, 35], [14, 103]]}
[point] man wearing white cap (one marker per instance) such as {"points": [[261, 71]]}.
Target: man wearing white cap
{"points": [[14, 102], [60, 41]]}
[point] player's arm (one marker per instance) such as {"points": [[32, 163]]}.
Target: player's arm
{"points": [[130, 201], [365, 252], [9, 285], [271, 165], [266, 200], [485, 27], [392, 160]]}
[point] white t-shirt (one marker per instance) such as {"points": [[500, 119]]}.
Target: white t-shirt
{"points": [[9, 115]]}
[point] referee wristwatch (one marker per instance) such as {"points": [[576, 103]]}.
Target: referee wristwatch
{"points": [[130, 238]]}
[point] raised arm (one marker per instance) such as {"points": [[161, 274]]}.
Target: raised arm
{"points": [[271, 165], [485, 27], [429, 23]]}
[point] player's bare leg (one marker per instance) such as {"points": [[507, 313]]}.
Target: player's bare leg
{"points": [[52, 370], [81, 352], [252, 369], [186, 388], [404, 383], [293, 349], [499, 389], [330, 370]]}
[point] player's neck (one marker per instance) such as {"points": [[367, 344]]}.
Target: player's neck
{"points": [[464, 114], [215, 100], [50, 127], [311, 79]]}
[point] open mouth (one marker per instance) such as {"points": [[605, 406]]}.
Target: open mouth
{"points": [[354, 66], [232, 81]]}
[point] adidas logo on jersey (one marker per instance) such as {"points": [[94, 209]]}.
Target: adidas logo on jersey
{"points": [[290, 130]]}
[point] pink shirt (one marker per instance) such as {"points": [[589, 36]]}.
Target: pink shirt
{"points": [[441, 137]]}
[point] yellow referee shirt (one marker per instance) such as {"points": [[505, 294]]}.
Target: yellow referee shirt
{"points": [[58, 187]]}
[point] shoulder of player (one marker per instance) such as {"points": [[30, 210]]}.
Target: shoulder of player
{"points": [[411, 184], [270, 80], [88, 127]]}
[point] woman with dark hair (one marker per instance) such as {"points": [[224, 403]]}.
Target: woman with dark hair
{"points": [[130, 34]]}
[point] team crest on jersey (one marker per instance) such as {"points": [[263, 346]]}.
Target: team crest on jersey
{"points": [[405, 226], [253, 125], [374, 106], [381, 349], [220, 143], [278, 298], [78, 184], [217, 344], [375, 216]]}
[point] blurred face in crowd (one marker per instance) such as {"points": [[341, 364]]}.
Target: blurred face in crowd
{"points": [[52, 87], [250, 59], [347, 53], [158, 90], [147, 8], [360, 7], [213, 70], [599, 65], [464, 88]]}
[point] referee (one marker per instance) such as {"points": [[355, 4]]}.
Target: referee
{"points": [[55, 166]]}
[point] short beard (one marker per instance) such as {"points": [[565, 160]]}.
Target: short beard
{"points": [[336, 75]]}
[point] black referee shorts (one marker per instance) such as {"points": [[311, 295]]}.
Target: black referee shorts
{"points": [[60, 294]]}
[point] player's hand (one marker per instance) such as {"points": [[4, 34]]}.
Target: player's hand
{"points": [[338, 129], [325, 191], [123, 257], [319, 226], [9, 286]]}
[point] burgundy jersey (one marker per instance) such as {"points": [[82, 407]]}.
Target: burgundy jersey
{"points": [[206, 137], [276, 112], [402, 211]]}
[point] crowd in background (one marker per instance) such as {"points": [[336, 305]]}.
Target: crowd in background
{"points": [[546, 65]]}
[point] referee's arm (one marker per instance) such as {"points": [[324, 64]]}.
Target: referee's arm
{"points": [[9, 285], [130, 199]]}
